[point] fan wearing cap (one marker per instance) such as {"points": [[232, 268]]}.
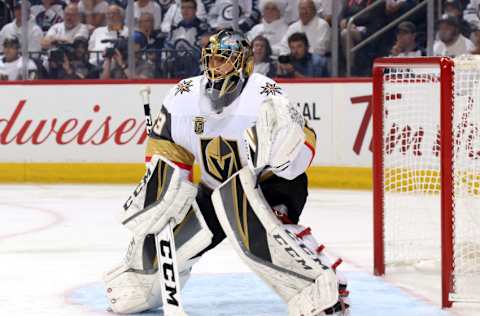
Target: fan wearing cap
{"points": [[405, 44], [11, 64], [273, 26], [14, 29], [450, 41]]}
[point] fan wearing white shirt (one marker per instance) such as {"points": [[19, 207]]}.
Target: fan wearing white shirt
{"points": [[315, 28], [149, 6], [66, 31], [450, 41], [48, 13], [14, 29], [273, 25], [11, 64], [115, 28]]}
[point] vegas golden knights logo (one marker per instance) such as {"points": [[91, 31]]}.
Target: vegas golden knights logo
{"points": [[220, 157], [198, 125]]}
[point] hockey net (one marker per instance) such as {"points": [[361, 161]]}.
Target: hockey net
{"points": [[427, 170]]}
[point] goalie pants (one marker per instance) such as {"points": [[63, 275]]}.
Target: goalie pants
{"points": [[291, 193]]}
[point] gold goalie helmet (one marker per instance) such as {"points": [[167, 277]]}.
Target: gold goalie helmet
{"points": [[227, 62]]}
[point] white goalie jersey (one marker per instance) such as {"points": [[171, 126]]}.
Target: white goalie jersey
{"points": [[188, 130]]}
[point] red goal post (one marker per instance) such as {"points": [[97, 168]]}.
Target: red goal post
{"points": [[415, 74]]}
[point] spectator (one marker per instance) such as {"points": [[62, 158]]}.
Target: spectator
{"points": [[6, 15], [103, 36], [395, 8], [450, 41], [186, 40], [471, 13], [221, 15], [14, 29], [66, 31], [315, 28], [406, 45], [165, 5], [150, 6], [154, 38], [475, 37], [358, 30], [454, 8], [325, 9], [83, 69], [11, 65], [300, 62], [93, 12], [174, 15], [187, 34], [262, 61], [273, 26], [116, 65], [47, 14]]}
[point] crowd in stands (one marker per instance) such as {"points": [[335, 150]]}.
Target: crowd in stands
{"points": [[88, 39]]}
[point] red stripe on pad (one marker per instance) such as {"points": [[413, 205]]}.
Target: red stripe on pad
{"points": [[305, 232]]}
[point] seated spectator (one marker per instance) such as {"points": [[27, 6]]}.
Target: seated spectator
{"points": [[82, 68], [325, 10], [316, 29], [66, 31], [14, 30], [262, 61], [154, 38], [454, 8], [395, 8], [273, 26], [93, 12], [174, 15], [147, 6], [103, 36], [165, 5], [475, 37], [187, 33], [116, 64], [472, 14], [186, 40], [6, 13], [300, 62], [359, 28], [406, 45], [220, 15], [47, 14], [11, 64], [450, 41]]}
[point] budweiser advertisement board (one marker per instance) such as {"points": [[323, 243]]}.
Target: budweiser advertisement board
{"points": [[105, 122]]}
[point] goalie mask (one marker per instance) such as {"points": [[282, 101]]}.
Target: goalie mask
{"points": [[227, 61]]}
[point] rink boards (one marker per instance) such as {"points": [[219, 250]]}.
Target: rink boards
{"points": [[94, 131]]}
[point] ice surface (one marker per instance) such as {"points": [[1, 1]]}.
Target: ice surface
{"points": [[56, 241]]}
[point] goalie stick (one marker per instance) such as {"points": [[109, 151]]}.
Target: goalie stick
{"points": [[165, 245]]}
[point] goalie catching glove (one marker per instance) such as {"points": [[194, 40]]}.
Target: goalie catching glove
{"points": [[277, 137]]}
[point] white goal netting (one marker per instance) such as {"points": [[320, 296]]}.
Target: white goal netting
{"points": [[411, 168]]}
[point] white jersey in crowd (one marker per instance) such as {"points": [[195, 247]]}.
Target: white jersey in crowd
{"points": [[472, 13], [99, 8], [174, 15], [221, 13], [461, 46], [153, 8], [188, 130], [35, 35], [59, 31], [274, 32], [45, 18], [13, 70], [318, 35], [95, 42]]}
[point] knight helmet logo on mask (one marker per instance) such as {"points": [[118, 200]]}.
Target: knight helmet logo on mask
{"points": [[220, 157]]}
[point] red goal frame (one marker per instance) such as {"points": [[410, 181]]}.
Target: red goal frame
{"points": [[446, 66]]}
